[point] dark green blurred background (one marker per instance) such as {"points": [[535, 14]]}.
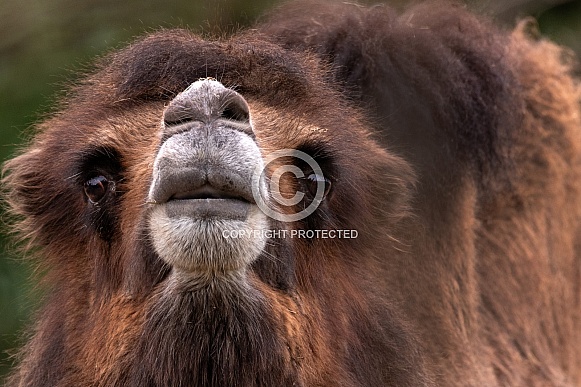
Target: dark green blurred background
{"points": [[43, 43]]}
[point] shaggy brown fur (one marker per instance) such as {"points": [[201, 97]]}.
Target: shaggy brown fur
{"points": [[454, 149]]}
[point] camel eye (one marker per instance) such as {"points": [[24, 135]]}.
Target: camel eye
{"points": [[96, 188], [312, 181]]}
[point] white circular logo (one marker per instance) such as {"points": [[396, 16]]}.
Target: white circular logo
{"points": [[260, 187]]}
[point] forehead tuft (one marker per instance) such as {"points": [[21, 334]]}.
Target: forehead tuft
{"points": [[159, 66]]}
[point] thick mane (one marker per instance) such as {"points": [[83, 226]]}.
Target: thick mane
{"points": [[160, 65], [342, 196]]}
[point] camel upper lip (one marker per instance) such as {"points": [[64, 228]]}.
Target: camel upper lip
{"points": [[205, 164], [194, 183]]}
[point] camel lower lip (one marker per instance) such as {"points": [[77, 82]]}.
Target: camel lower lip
{"points": [[232, 209]]}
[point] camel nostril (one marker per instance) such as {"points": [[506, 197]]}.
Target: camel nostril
{"points": [[176, 121], [236, 109], [183, 111]]}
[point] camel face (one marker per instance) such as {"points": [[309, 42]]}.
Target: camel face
{"points": [[202, 183]]}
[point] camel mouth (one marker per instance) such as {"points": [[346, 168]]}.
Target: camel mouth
{"points": [[208, 192], [208, 202], [200, 190], [201, 194], [195, 177]]}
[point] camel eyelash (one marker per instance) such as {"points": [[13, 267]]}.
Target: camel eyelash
{"points": [[322, 157], [99, 161]]}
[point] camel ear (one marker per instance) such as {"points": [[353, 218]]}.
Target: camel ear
{"points": [[36, 197], [21, 181]]}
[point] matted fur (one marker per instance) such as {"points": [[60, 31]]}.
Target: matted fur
{"points": [[454, 149]]}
